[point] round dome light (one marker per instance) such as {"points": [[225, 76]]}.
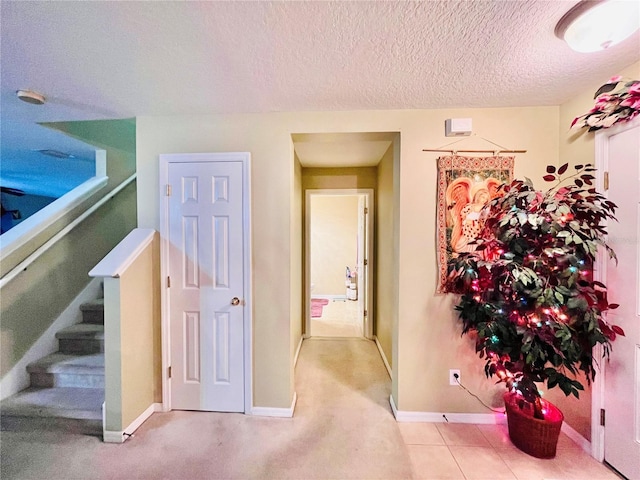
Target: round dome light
{"points": [[594, 25], [30, 96]]}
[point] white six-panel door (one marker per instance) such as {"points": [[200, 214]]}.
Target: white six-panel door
{"points": [[206, 294], [622, 373]]}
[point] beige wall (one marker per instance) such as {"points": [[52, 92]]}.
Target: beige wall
{"points": [[133, 359], [428, 334], [334, 242], [297, 262], [578, 147], [345, 178], [269, 142], [385, 285]]}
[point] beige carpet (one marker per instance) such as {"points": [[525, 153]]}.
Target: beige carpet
{"points": [[342, 428], [339, 319]]}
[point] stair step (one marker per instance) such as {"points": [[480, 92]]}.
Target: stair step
{"points": [[77, 410], [82, 338], [93, 312], [66, 370]]}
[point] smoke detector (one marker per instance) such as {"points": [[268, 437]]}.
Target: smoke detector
{"points": [[30, 96], [457, 127]]}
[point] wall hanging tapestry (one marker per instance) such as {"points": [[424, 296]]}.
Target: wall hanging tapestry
{"points": [[465, 186]]}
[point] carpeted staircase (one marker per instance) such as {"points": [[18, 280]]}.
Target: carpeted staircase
{"points": [[67, 387]]}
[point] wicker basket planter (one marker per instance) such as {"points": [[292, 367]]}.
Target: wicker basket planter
{"points": [[536, 437]]}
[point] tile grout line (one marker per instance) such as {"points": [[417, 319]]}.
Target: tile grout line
{"points": [[455, 460], [495, 450]]}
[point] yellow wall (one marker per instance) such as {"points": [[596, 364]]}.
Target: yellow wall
{"points": [[577, 146], [429, 341], [385, 286], [346, 178], [428, 336], [334, 242], [297, 262], [133, 360], [140, 341]]}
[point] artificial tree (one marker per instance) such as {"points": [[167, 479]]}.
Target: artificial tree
{"points": [[527, 290]]}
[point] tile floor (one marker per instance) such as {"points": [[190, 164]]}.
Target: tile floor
{"points": [[474, 452]]}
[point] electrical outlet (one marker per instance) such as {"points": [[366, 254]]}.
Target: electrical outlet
{"points": [[452, 377]]}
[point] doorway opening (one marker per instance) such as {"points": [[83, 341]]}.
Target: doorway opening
{"points": [[338, 252]]}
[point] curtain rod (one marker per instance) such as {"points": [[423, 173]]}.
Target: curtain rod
{"points": [[496, 152]]}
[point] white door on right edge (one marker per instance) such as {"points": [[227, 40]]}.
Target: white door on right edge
{"points": [[622, 373]]}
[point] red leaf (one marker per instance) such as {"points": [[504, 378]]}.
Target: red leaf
{"points": [[549, 178], [551, 169], [618, 330], [578, 182], [563, 169], [613, 306], [578, 167]]}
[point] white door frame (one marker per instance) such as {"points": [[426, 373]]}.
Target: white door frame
{"points": [[600, 274], [368, 192], [165, 160]]}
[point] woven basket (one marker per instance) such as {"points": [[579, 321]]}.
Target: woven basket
{"points": [[536, 437]]}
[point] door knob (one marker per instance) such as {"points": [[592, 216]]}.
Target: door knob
{"points": [[235, 301]]}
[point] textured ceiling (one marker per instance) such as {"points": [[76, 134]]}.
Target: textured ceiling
{"points": [[104, 59]]}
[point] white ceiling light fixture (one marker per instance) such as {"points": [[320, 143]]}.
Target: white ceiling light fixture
{"points": [[594, 25], [31, 97]]}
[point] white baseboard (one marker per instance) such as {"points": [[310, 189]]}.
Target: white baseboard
{"points": [[582, 442], [384, 357], [276, 412], [331, 297], [110, 436], [295, 357], [443, 417], [17, 378]]}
